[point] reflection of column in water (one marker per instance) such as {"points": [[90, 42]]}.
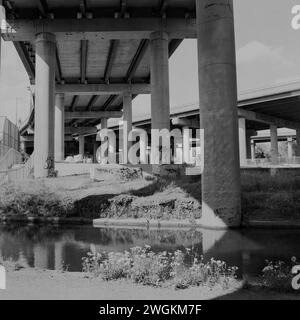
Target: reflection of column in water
{"points": [[59, 255], [245, 265], [210, 238], [40, 257]]}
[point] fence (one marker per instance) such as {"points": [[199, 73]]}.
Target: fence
{"points": [[22, 171], [3, 150], [12, 168], [11, 158]]}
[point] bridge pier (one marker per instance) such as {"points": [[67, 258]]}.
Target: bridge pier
{"points": [[242, 141], [44, 103], [2, 20], [104, 127], [127, 120], [221, 189], [59, 126], [298, 143], [160, 95], [252, 150], [274, 144], [290, 147], [249, 134], [81, 144]]}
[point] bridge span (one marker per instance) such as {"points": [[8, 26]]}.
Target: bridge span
{"points": [[88, 59]]}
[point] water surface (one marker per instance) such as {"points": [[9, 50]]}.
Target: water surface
{"points": [[58, 247]]}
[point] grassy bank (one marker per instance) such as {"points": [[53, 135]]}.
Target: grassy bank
{"points": [[264, 197]]}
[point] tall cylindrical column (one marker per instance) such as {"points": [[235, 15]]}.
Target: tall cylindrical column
{"points": [[95, 148], [103, 123], [290, 150], [249, 134], [221, 188], [298, 142], [274, 144], [159, 67], [2, 25], [127, 124], [81, 144], [252, 150], [44, 105], [103, 127], [59, 127], [242, 141]]}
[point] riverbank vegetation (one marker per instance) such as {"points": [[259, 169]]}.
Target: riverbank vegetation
{"points": [[264, 197], [143, 266]]}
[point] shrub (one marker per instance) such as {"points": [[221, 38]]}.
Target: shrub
{"points": [[141, 265], [214, 272], [148, 267], [32, 198], [278, 276]]}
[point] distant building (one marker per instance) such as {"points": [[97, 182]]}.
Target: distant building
{"points": [[9, 136]]}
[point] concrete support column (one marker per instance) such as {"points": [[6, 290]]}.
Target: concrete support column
{"points": [[81, 144], [159, 67], [104, 126], [44, 105], [221, 188], [127, 124], [59, 127], [249, 134], [2, 26], [290, 150], [160, 96], [252, 150], [242, 141], [95, 148], [103, 123], [298, 142], [274, 144]]}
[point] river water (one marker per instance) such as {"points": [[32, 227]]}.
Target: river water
{"points": [[58, 247]]}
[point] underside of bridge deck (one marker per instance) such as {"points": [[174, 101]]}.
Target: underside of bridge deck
{"points": [[98, 55], [119, 59]]}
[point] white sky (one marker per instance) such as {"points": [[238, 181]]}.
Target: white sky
{"points": [[268, 53]]}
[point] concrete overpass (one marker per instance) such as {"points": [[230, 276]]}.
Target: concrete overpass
{"points": [[254, 114], [88, 59]]}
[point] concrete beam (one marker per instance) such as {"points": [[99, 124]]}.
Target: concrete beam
{"points": [[30, 139], [263, 118], [191, 123], [102, 89], [104, 28], [93, 115], [298, 142], [68, 131], [74, 130], [25, 58]]}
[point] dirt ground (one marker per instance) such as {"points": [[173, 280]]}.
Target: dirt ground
{"points": [[32, 284]]}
